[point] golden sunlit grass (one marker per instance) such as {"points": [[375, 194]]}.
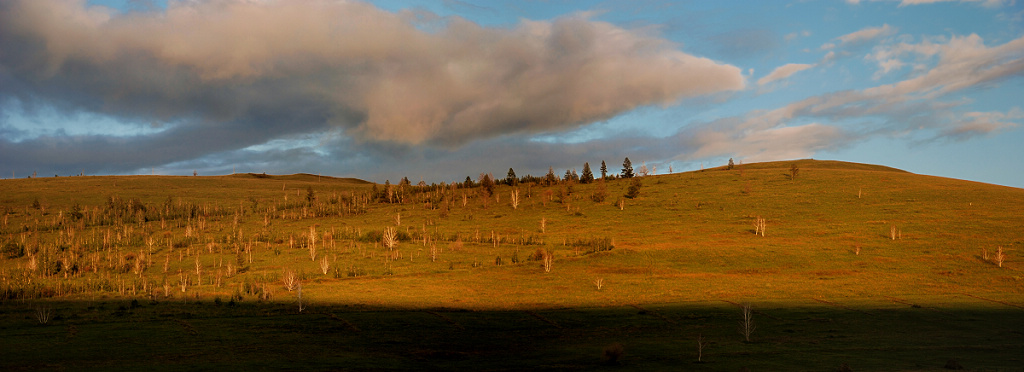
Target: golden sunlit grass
{"points": [[691, 246]]}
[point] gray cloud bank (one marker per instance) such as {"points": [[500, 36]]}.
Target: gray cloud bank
{"points": [[224, 75]]}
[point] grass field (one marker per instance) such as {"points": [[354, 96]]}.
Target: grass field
{"points": [[859, 265]]}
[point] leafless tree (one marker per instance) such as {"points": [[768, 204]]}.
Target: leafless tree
{"points": [[289, 279], [390, 238], [759, 226], [324, 264], [43, 314], [199, 271], [701, 344], [312, 243], [895, 233], [747, 324]]}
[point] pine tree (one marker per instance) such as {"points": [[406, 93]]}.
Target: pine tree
{"points": [[487, 183], [550, 178], [511, 179], [731, 164], [587, 176], [627, 169], [604, 170]]}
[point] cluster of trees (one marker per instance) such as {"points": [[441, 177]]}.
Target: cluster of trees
{"points": [[584, 177], [398, 193]]}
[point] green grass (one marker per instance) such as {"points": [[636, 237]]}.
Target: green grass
{"points": [[684, 254]]}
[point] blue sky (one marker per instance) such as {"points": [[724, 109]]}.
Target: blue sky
{"points": [[441, 90]]}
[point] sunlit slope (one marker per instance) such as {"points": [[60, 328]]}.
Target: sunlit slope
{"points": [[63, 192], [688, 237]]}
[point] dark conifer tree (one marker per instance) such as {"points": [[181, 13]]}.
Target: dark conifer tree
{"points": [[587, 176], [550, 178]]}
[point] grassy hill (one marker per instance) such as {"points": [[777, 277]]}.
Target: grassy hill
{"points": [[859, 264]]}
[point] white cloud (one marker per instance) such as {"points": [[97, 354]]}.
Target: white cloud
{"points": [[866, 34], [981, 123], [913, 108], [783, 72], [985, 3], [963, 62], [793, 35], [348, 64], [902, 3]]}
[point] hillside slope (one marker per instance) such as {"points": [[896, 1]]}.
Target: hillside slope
{"points": [[862, 265], [835, 221]]}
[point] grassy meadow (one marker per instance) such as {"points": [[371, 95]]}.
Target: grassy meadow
{"points": [[858, 265]]}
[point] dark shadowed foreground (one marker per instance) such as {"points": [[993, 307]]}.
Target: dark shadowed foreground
{"points": [[223, 335]]}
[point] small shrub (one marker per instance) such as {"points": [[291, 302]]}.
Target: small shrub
{"points": [[600, 193], [371, 236], [538, 254], [355, 271], [76, 212], [613, 354], [593, 245], [634, 188], [12, 250]]}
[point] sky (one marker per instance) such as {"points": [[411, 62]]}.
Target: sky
{"points": [[438, 90]]}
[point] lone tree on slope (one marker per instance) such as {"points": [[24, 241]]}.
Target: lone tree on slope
{"points": [[627, 169], [587, 176]]}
